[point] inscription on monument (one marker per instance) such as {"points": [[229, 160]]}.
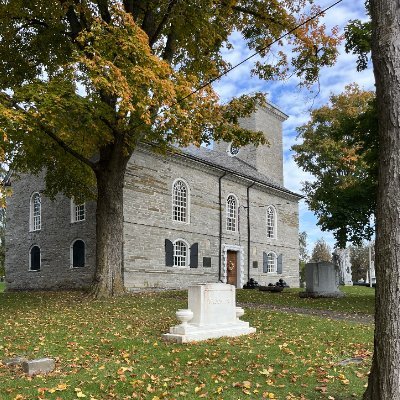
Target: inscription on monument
{"points": [[215, 298]]}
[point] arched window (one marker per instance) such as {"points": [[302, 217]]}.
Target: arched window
{"points": [[271, 222], [231, 213], [271, 262], [34, 258], [180, 200], [35, 212], [181, 253], [78, 254]]}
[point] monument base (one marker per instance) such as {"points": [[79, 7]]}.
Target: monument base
{"points": [[212, 314], [192, 333], [316, 295]]}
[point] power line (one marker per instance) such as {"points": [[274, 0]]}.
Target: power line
{"points": [[244, 60], [257, 52]]}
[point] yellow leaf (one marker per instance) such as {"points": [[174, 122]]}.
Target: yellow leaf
{"points": [[264, 372]]}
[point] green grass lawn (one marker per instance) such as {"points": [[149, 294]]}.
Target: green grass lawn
{"points": [[113, 350], [2, 287], [358, 299]]}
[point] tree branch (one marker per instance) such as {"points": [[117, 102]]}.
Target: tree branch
{"points": [[128, 5], [163, 22], [134, 7], [74, 23], [104, 11], [31, 22], [170, 47], [51, 134], [256, 14]]}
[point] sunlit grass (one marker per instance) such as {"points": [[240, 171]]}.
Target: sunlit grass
{"points": [[113, 349], [357, 299]]}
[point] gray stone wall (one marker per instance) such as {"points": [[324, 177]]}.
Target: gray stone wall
{"points": [[54, 239], [267, 159], [148, 222]]}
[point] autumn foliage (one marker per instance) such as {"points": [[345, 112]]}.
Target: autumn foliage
{"points": [[82, 83], [340, 149]]}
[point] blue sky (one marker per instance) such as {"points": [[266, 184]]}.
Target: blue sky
{"points": [[296, 102]]}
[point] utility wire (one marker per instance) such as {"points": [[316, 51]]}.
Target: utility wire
{"points": [[244, 60], [257, 52]]}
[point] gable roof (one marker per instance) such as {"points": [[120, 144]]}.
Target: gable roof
{"points": [[230, 164]]}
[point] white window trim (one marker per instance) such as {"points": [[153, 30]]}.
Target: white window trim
{"points": [[73, 212], [71, 254], [30, 262], [31, 213], [275, 225], [187, 222], [187, 266], [275, 271], [236, 213]]}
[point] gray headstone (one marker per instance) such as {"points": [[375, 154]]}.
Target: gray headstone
{"points": [[38, 366], [322, 280], [341, 258], [13, 362], [355, 360]]}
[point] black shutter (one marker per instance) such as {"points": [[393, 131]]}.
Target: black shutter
{"points": [[194, 255], [169, 253], [265, 262], [279, 265]]}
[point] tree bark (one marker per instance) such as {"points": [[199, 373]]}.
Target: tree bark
{"points": [[110, 174], [384, 379]]}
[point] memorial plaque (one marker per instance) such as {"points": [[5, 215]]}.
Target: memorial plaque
{"points": [[206, 262]]}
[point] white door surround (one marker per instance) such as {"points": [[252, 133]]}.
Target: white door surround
{"points": [[240, 260]]}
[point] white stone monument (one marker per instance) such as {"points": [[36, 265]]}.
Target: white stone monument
{"points": [[341, 258], [211, 313]]}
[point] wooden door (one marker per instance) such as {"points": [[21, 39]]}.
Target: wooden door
{"points": [[231, 267]]}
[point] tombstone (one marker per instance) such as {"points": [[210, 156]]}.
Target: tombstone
{"points": [[38, 366], [322, 280], [211, 313], [341, 258], [14, 362]]}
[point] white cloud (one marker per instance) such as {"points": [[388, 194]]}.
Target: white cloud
{"points": [[297, 102]]}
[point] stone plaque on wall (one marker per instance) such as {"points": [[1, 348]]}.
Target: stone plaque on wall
{"points": [[255, 264], [206, 262]]}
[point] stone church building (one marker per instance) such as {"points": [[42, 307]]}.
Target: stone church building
{"points": [[195, 216]]}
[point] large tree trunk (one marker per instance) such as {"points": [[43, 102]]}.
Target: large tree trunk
{"points": [[109, 224], [384, 380]]}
